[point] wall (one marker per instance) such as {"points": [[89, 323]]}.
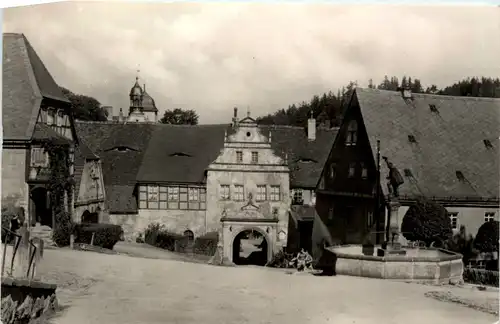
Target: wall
{"points": [[471, 217], [175, 220], [14, 187]]}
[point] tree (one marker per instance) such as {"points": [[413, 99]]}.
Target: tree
{"points": [[85, 107], [426, 221], [463, 244], [180, 117], [487, 237]]}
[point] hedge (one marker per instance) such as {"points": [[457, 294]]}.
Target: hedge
{"points": [[206, 244], [157, 235], [105, 235], [481, 277]]}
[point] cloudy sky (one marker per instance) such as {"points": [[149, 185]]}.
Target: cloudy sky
{"points": [[213, 56]]}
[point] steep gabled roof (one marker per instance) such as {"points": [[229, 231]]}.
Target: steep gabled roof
{"points": [[155, 153], [449, 135], [26, 81]]}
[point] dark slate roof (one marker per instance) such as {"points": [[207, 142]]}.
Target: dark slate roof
{"points": [[26, 81], [119, 168], [303, 212], [446, 142], [181, 154], [305, 158], [148, 103]]}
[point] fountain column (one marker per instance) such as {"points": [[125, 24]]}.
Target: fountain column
{"points": [[394, 246]]}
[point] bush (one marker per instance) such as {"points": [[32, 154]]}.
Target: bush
{"points": [[487, 237], [426, 221], [281, 260], [7, 215], [157, 235], [105, 235], [63, 228], [206, 244], [481, 277], [463, 244]]}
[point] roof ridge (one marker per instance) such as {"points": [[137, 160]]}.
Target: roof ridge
{"points": [[429, 95]]}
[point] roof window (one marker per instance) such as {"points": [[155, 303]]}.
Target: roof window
{"points": [[487, 143], [460, 176], [408, 173], [412, 139], [433, 108]]}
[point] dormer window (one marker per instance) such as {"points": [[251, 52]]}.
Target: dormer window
{"points": [[352, 133], [255, 157], [180, 154], [239, 156], [122, 149], [307, 160], [50, 117]]}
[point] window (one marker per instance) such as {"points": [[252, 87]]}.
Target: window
{"points": [[189, 234], [408, 173], [333, 166], [370, 219], [453, 220], [275, 193], [489, 217], [255, 157], [297, 197], [50, 117], [412, 139], [330, 213], [261, 193], [224, 192], [433, 108], [172, 197], [39, 158], [60, 118], [239, 156], [460, 175], [352, 170], [352, 133], [364, 171], [487, 143], [238, 193]]}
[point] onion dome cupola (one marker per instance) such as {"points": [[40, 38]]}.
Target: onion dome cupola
{"points": [[136, 94], [148, 103]]}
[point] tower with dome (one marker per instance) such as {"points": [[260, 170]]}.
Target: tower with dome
{"points": [[142, 105]]}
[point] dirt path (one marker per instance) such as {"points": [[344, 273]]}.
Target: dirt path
{"points": [[121, 289]]}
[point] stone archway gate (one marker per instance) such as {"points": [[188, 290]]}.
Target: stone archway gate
{"points": [[249, 218]]}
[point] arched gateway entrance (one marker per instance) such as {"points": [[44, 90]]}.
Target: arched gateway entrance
{"points": [[250, 247], [249, 236]]}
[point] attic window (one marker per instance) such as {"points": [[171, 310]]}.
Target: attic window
{"points": [[307, 160], [180, 154], [460, 176], [487, 143], [412, 139], [122, 149], [408, 173], [433, 108]]}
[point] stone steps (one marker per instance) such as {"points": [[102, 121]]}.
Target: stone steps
{"points": [[44, 233]]}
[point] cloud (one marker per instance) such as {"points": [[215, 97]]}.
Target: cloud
{"points": [[213, 56]]}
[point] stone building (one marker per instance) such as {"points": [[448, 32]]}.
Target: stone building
{"points": [[446, 149], [206, 178], [35, 113]]}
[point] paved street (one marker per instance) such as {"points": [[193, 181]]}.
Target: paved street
{"points": [[99, 288]]}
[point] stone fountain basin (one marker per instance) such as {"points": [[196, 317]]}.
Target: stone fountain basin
{"points": [[426, 265]]}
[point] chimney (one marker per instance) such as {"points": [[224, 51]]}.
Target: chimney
{"points": [[235, 117], [120, 116], [109, 112], [311, 128]]}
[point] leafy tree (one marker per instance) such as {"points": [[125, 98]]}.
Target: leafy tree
{"points": [[426, 221], [85, 107], [180, 117], [487, 237]]}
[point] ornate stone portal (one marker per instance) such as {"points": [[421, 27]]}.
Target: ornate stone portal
{"points": [[249, 217]]}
